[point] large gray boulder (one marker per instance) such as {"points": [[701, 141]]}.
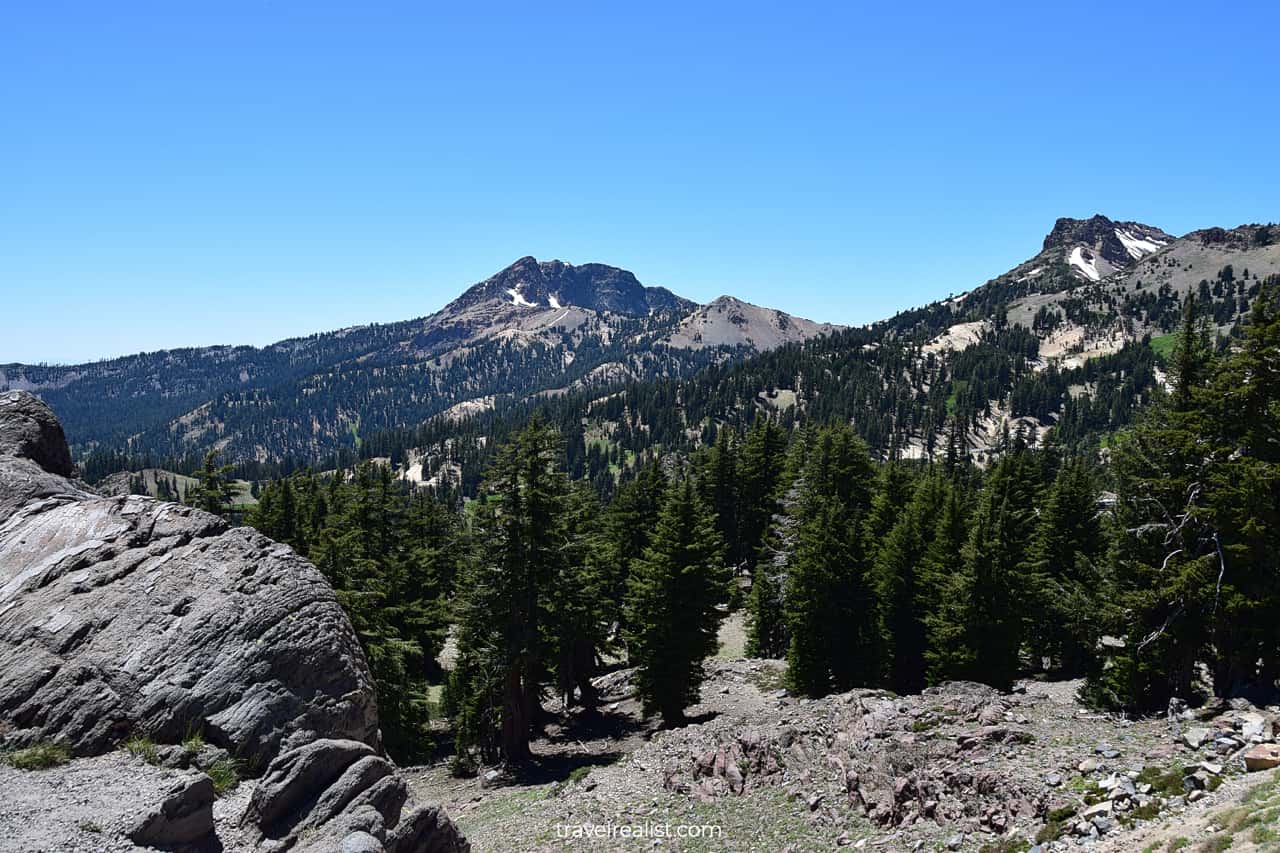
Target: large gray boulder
{"points": [[29, 430], [125, 616]]}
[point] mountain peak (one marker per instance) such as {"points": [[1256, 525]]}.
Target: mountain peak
{"points": [[532, 284], [1098, 246]]}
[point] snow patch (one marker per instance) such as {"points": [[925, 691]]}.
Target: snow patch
{"points": [[1086, 267], [517, 298], [555, 303], [1137, 247]]}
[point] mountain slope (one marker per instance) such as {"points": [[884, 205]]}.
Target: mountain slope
{"points": [[1023, 352], [535, 327]]}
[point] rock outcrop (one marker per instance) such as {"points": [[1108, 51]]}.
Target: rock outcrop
{"points": [[127, 617]]}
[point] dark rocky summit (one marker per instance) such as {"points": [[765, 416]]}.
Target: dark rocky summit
{"points": [[1107, 238], [127, 617], [549, 284]]}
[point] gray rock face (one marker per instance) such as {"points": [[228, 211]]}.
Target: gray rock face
{"points": [[29, 430], [184, 816], [125, 616]]}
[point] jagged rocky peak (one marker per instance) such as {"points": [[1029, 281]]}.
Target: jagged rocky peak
{"points": [[534, 284], [1096, 247]]}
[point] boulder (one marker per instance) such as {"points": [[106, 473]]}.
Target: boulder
{"points": [[124, 616], [1262, 757], [130, 616], [299, 775], [29, 430], [183, 817]]}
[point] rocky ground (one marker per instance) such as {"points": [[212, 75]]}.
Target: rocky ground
{"points": [[960, 767]]}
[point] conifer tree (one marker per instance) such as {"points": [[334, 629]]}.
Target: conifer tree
{"points": [[1165, 562], [674, 598], [903, 589], [1063, 574], [760, 466], [828, 604], [977, 631], [505, 615], [215, 489]]}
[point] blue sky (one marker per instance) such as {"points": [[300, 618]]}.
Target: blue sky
{"points": [[180, 173]]}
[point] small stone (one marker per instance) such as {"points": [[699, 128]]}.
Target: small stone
{"points": [[1195, 737], [1053, 780], [1088, 765], [1195, 795], [1102, 809], [955, 842], [1252, 726]]}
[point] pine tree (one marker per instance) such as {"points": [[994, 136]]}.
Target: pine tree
{"points": [[828, 603], [1244, 502], [760, 466], [977, 631], [505, 615], [1063, 574], [215, 489], [675, 592], [1164, 565], [580, 612], [902, 589]]}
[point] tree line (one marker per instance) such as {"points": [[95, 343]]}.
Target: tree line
{"points": [[1132, 570]]}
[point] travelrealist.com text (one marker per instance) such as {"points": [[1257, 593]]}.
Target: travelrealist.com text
{"points": [[638, 830]]}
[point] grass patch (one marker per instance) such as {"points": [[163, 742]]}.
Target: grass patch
{"points": [[957, 386], [1148, 812], [1165, 781], [768, 678], [577, 774], [1217, 844], [225, 775], [41, 756], [89, 826], [1005, 845], [1051, 831], [193, 744], [1179, 844], [1164, 344], [144, 748]]}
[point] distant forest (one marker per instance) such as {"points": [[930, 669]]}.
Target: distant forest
{"points": [[1148, 566]]}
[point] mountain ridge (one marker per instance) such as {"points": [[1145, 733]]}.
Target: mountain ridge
{"points": [[532, 327]]}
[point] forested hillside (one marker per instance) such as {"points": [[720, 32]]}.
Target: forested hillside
{"points": [[899, 573], [535, 328]]}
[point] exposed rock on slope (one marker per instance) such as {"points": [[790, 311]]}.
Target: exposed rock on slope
{"points": [[128, 617], [730, 322]]}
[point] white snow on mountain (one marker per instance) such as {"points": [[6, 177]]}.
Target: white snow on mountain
{"points": [[1086, 266], [555, 303], [1136, 246], [517, 298]]}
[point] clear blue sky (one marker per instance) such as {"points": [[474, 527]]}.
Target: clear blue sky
{"points": [[190, 173]]}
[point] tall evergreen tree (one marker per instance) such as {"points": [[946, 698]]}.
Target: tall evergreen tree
{"points": [[828, 604], [504, 616], [904, 591], [674, 598], [1063, 573]]}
